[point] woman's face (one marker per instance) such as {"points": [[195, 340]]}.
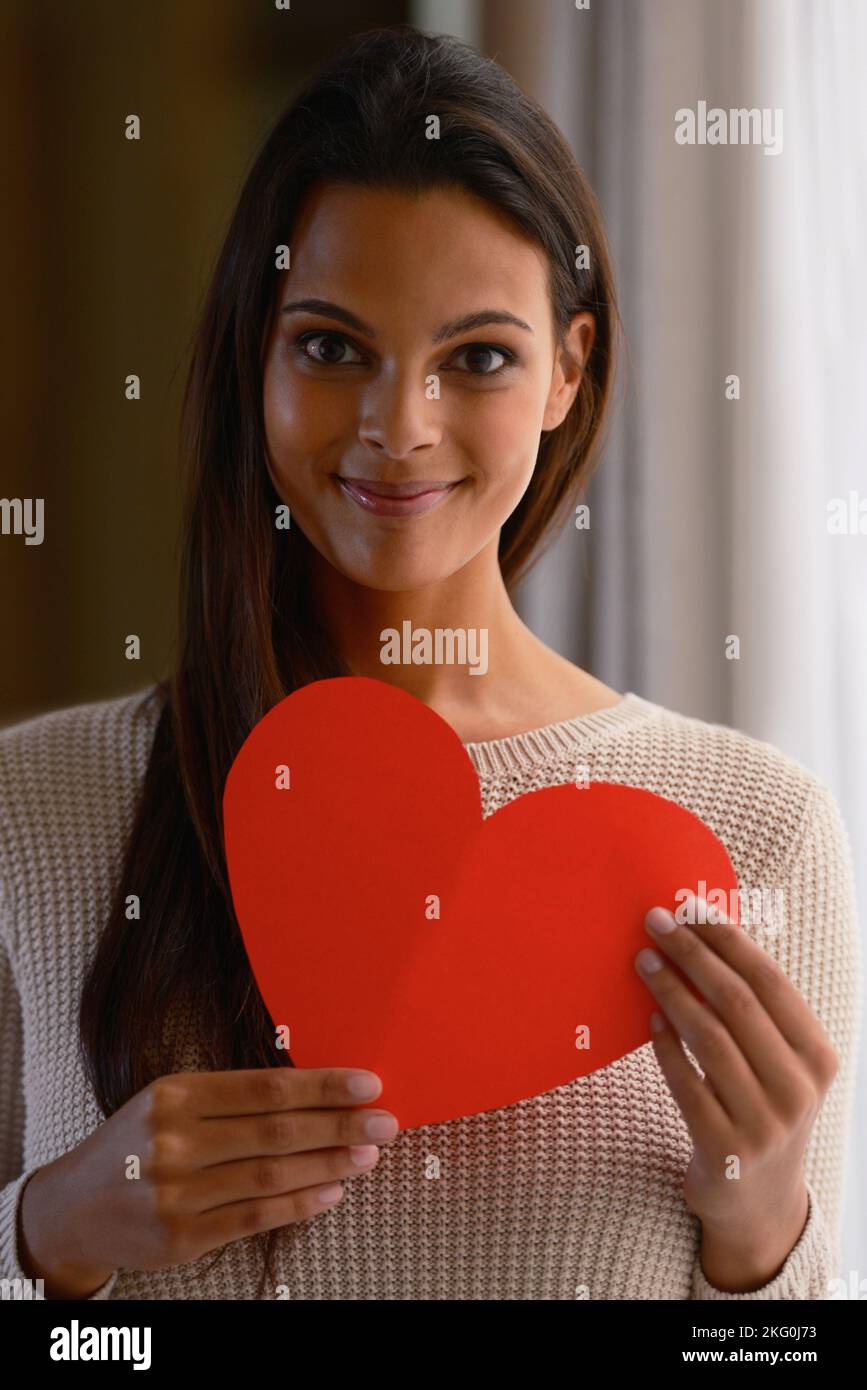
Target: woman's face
{"points": [[381, 384]]}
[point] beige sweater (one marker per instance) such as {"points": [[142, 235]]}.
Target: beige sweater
{"points": [[576, 1193]]}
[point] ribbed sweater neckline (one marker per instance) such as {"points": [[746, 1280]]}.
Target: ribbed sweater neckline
{"points": [[554, 740]]}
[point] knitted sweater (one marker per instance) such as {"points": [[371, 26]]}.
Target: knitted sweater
{"points": [[575, 1193]]}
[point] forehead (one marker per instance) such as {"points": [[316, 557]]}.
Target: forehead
{"points": [[419, 249]]}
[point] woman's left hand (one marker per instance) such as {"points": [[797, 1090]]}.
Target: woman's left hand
{"points": [[767, 1065]]}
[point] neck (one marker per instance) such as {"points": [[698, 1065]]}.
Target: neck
{"points": [[392, 635]]}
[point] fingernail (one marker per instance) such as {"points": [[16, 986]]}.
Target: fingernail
{"points": [[649, 961], [364, 1085], [363, 1155], [380, 1127], [657, 1022], [660, 921], [330, 1194]]}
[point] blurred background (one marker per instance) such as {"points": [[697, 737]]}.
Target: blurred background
{"points": [[709, 516]]}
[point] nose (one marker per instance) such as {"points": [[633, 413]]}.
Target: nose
{"points": [[398, 417]]}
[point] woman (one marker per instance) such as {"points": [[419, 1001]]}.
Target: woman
{"points": [[409, 343]]}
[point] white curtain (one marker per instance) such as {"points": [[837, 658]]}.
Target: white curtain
{"points": [[708, 515]]}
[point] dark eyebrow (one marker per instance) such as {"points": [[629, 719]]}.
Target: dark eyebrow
{"points": [[464, 324]]}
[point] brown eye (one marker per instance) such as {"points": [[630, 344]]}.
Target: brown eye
{"points": [[479, 358], [330, 349]]}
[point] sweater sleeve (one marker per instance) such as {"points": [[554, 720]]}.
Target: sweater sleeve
{"points": [[13, 1175], [817, 946]]}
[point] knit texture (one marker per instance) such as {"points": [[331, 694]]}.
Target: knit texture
{"points": [[575, 1193]]}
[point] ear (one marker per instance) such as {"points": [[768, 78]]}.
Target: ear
{"points": [[569, 364]]}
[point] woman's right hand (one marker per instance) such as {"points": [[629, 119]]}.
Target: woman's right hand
{"points": [[222, 1155]]}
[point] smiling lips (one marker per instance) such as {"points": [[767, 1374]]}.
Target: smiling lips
{"points": [[396, 499]]}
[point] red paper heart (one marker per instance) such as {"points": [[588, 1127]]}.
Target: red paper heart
{"points": [[541, 905]]}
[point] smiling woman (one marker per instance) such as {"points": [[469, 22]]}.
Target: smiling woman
{"points": [[410, 402], [425, 389]]}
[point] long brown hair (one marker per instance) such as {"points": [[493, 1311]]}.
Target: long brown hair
{"points": [[247, 637]]}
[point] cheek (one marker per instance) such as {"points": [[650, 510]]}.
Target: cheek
{"points": [[506, 440], [299, 428]]}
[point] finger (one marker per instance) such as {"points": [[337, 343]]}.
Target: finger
{"points": [[696, 1100], [291, 1131], [705, 1035], [786, 1006], [248, 1092], [732, 999], [225, 1183], [241, 1219]]}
